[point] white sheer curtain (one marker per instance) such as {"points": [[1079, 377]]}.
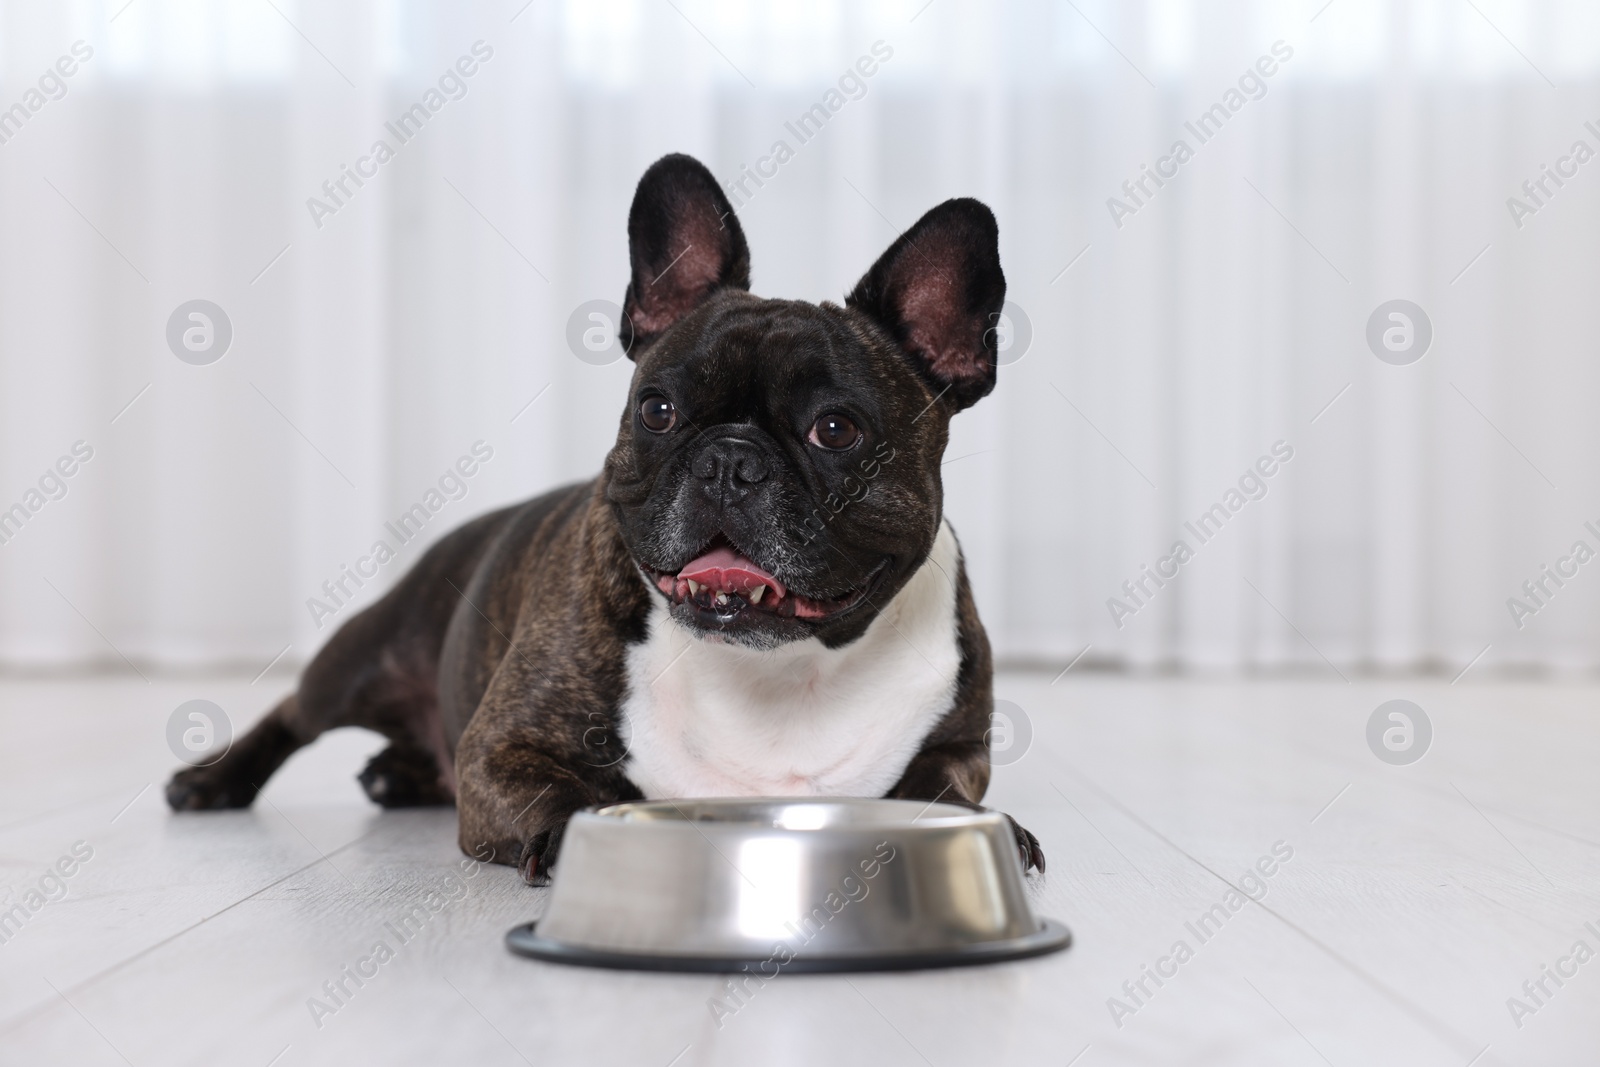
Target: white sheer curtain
{"points": [[1227, 313]]}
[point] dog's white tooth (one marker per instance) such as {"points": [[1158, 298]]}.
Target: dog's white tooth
{"points": [[694, 587], [757, 593]]}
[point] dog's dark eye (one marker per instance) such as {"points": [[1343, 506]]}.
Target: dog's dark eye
{"points": [[658, 414], [834, 432]]}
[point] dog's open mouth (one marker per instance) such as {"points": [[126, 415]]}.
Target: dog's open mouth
{"points": [[723, 583]]}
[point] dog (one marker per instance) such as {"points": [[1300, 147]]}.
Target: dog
{"points": [[758, 596]]}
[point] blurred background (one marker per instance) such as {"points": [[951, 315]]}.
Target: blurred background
{"points": [[1160, 339]]}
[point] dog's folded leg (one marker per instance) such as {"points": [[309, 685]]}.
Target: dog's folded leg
{"points": [[959, 774], [515, 802]]}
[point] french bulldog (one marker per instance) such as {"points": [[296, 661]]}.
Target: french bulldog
{"points": [[758, 596]]}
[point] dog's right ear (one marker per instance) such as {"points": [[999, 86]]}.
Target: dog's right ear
{"points": [[939, 291], [684, 242]]}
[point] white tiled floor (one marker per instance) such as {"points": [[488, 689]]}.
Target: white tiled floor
{"points": [[1414, 906]]}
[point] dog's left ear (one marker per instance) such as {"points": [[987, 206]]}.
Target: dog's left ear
{"points": [[685, 243], [938, 290]]}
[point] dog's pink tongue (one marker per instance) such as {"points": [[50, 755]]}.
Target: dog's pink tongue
{"points": [[726, 571]]}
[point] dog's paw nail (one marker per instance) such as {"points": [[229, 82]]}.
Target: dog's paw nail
{"points": [[1028, 848], [533, 872]]}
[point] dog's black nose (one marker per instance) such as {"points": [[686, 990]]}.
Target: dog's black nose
{"points": [[730, 466]]}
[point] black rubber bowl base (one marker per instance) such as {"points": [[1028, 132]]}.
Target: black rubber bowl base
{"points": [[1051, 936]]}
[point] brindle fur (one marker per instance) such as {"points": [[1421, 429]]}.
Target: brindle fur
{"points": [[496, 666]]}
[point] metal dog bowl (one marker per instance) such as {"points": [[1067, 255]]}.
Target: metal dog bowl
{"points": [[774, 885]]}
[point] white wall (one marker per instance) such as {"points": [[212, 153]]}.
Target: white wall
{"points": [[1220, 318]]}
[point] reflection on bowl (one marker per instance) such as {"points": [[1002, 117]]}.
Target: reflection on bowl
{"points": [[787, 885]]}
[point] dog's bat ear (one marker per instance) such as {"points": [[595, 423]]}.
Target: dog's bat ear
{"points": [[684, 242], [938, 290]]}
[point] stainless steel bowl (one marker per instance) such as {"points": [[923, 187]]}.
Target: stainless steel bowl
{"points": [[772, 885]]}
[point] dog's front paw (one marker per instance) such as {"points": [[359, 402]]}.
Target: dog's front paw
{"points": [[1027, 847], [539, 855]]}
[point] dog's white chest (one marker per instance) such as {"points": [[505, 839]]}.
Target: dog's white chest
{"points": [[707, 719]]}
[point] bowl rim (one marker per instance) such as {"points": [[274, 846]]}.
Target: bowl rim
{"points": [[1050, 936], [954, 816]]}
